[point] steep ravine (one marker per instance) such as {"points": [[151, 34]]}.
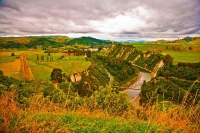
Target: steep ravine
{"points": [[134, 90]]}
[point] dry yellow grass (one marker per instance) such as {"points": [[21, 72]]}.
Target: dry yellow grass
{"points": [[12, 69], [173, 119], [5, 53]]}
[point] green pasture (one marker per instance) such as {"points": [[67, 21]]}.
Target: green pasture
{"points": [[179, 56], [184, 56], [6, 57], [43, 69]]}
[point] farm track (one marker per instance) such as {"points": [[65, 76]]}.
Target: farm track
{"points": [[26, 71]]}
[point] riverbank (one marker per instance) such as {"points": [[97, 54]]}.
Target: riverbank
{"points": [[134, 90]]}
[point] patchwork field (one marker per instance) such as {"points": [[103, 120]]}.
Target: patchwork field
{"points": [[43, 69], [11, 66], [183, 55]]}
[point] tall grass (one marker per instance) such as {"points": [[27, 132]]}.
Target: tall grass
{"points": [[43, 115]]}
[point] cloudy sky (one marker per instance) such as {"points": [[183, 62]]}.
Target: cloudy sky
{"points": [[104, 19]]}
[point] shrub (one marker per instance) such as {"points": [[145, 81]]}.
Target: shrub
{"points": [[13, 54], [110, 100]]}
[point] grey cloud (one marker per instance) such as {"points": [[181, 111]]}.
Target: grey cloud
{"points": [[10, 4], [67, 16]]}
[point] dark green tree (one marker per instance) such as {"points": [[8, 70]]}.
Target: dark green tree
{"points": [[56, 75], [13, 54], [89, 53], [42, 58], [37, 57], [167, 59]]}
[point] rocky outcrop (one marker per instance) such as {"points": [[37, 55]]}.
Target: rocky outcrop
{"points": [[76, 77], [157, 67]]}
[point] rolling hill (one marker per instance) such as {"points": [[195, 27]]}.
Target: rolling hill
{"points": [[54, 41], [89, 41]]}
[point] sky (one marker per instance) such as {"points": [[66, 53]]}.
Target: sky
{"points": [[103, 19]]}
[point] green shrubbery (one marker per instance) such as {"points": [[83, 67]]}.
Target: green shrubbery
{"points": [[179, 71], [109, 100], [104, 98], [121, 70], [178, 83]]}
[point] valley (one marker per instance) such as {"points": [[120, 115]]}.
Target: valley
{"points": [[103, 79]]}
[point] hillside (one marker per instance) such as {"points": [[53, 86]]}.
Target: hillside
{"points": [[27, 39], [89, 41], [176, 83], [45, 41], [33, 41], [147, 60]]}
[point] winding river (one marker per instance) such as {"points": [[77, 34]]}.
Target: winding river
{"points": [[135, 89]]}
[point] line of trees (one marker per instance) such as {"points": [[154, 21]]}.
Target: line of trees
{"points": [[49, 58]]}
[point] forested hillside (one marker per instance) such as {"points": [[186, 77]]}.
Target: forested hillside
{"points": [[33, 41], [130, 54], [45, 41], [176, 83], [88, 41]]}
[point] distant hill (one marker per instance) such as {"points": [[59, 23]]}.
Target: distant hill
{"points": [[54, 41], [89, 41], [31, 41]]}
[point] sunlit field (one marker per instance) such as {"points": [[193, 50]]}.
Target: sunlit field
{"points": [[179, 56], [184, 56], [41, 69]]}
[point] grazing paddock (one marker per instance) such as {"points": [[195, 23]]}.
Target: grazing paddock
{"points": [[184, 56], [11, 66], [43, 69]]}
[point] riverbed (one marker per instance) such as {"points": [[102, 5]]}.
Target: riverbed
{"points": [[135, 89]]}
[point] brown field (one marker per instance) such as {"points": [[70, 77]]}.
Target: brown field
{"points": [[5, 53], [12, 69], [12, 66]]}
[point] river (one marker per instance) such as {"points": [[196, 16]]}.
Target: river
{"points": [[135, 89]]}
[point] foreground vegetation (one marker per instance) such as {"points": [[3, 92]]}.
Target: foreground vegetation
{"points": [[39, 107]]}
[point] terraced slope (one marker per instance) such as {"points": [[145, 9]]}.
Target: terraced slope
{"points": [[147, 60]]}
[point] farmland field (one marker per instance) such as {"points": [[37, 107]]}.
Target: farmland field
{"points": [[184, 56], [10, 65], [41, 69], [179, 56], [11, 68]]}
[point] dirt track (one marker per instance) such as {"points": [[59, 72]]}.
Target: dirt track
{"points": [[26, 71]]}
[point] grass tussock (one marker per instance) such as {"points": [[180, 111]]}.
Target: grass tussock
{"points": [[42, 115]]}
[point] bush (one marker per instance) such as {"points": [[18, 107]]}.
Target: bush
{"points": [[110, 100], [13, 54]]}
